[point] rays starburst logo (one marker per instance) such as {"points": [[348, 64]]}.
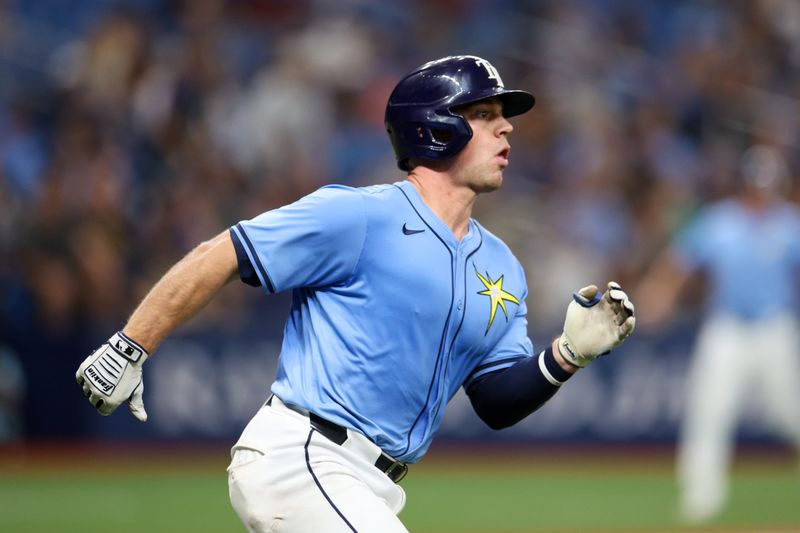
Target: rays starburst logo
{"points": [[497, 297]]}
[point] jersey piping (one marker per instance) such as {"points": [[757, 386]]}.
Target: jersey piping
{"points": [[254, 259], [444, 329]]}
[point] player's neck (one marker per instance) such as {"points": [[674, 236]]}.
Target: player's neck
{"points": [[758, 201], [451, 203]]}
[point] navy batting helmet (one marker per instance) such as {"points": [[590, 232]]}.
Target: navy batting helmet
{"points": [[419, 116]]}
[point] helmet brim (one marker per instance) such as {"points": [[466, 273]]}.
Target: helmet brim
{"points": [[516, 102]]}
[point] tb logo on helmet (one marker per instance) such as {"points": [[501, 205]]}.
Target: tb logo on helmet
{"points": [[491, 72]]}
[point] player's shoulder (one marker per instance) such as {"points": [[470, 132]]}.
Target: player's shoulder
{"points": [[787, 215], [787, 208], [494, 244], [721, 212], [725, 206], [382, 189], [366, 192], [382, 197], [334, 206], [732, 208], [335, 190], [346, 193], [381, 200], [372, 201]]}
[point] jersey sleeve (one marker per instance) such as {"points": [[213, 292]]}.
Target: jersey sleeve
{"points": [[512, 347], [313, 242]]}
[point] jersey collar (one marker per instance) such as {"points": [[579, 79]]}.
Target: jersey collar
{"points": [[469, 241]]}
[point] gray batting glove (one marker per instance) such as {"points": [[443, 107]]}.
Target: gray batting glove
{"points": [[595, 323], [113, 374]]}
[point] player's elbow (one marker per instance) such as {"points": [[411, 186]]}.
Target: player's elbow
{"points": [[503, 398], [498, 420], [495, 410], [497, 423]]}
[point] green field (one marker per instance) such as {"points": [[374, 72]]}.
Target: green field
{"points": [[79, 490]]}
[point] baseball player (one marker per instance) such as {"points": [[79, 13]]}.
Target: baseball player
{"points": [[399, 299], [748, 346]]}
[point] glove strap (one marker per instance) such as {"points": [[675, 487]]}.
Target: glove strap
{"points": [[571, 356], [127, 347]]}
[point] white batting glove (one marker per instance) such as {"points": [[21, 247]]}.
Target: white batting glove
{"points": [[113, 374], [595, 323]]}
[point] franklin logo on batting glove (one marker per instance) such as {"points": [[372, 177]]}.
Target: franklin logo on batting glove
{"points": [[113, 374]]}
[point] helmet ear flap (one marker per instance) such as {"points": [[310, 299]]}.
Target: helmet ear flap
{"points": [[441, 135], [424, 138], [438, 135]]}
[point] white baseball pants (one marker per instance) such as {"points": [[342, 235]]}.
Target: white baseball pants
{"points": [[287, 477], [735, 362]]}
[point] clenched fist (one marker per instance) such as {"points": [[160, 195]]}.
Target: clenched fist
{"points": [[596, 322], [113, 374]]}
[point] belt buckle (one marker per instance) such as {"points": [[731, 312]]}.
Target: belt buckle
{"points": [[397, 471]]}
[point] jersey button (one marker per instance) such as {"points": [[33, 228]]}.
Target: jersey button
{"points": [[460, 304]]}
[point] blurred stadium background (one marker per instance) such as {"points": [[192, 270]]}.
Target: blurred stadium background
{"points": [[130, 130]]}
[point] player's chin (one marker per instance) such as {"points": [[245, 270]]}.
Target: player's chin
{"points": [[492, 182], [485, 179]]}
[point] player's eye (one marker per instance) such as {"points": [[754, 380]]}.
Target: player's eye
{"points": [[487, 113]]}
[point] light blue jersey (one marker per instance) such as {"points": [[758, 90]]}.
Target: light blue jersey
{"points": [[752, 257], [390, 313]]}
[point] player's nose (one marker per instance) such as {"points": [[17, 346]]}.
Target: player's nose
{"points": [[505, 127]]}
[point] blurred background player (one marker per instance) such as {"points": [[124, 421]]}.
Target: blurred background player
{"points": [[400, 298], [748, 348]]}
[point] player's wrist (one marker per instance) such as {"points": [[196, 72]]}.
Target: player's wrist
{"points": [[128, 347], [551, 369], [562, 361], [138, 339]]}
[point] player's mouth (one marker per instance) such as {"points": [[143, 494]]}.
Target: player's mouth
{"points": [[502, 155]]}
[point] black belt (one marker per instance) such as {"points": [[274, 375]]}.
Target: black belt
{"points": [[396, 470]]}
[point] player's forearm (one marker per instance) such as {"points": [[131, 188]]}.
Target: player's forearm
{"points": [[503, 398], [659, 291], [185, 289]]}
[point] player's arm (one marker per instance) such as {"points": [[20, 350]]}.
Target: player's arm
{"points": [[504, 397], [113, 373], [595, 323], [659, 289], [185, 289]]}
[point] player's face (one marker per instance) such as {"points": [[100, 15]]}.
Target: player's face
{"points": [[480, 164]]}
